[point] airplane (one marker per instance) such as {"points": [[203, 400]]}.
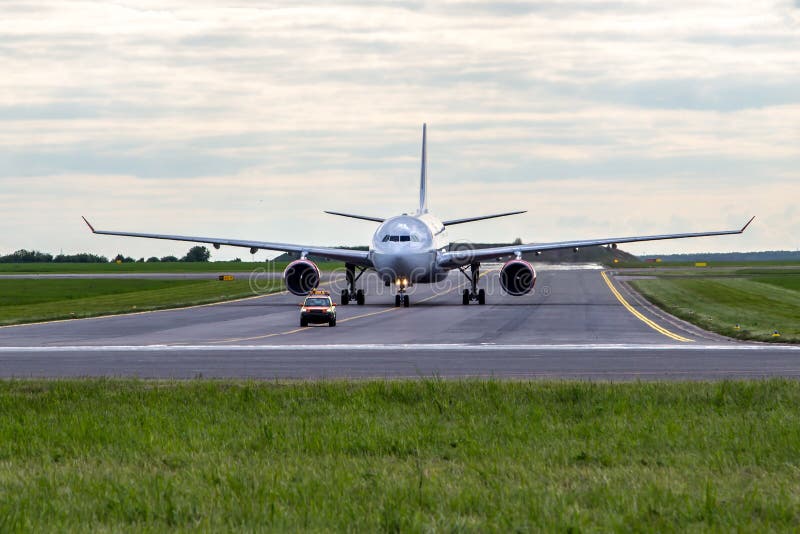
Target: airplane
{"points": [[414, 249]]}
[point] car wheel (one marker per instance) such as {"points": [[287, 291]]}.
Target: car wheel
{"points": [[303, 322]]}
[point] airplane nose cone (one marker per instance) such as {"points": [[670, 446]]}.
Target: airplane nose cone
{"points": [[393, 266], [389, 265]]}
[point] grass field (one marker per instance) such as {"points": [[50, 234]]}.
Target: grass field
{"points": [[703, 272], [710, 263], [405, 456], [759, 301], [26, 301], [155, 267]]}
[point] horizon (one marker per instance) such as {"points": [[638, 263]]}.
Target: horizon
{"points": [[146, 257]]}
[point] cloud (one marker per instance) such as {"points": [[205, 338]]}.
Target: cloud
{"points": [[207, 105]]}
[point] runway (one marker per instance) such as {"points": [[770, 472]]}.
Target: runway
{"points": [[578, 324]]}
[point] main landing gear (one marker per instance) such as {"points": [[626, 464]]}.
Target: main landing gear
{"points": [[402, 299], [352, 294], [473, 294]]}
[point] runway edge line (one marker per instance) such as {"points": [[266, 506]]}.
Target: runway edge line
{"points": [[652, 324]]}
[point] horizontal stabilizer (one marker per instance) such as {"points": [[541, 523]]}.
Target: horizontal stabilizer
{"points": [[362, 217], [481, 218]]}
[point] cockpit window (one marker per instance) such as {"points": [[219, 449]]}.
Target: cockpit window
{"points": [[400, 238]]}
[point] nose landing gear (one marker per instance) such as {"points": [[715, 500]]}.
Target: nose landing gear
{"points": [[473, 294], [352, 294], [402, 299]]}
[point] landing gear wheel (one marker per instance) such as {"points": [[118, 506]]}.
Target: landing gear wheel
{"points": [[303, 322], [397, 301], [332, 322], [406, 301], [351, 293], [473, 293]]}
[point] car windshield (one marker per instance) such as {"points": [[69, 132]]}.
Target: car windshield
{"points": [[318, 301]]}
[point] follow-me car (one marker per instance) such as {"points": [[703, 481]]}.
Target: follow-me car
{"points": [[318, 308], [413, 249]]}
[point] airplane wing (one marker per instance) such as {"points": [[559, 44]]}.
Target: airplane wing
{"points": [[357, 257], [459, 258]]}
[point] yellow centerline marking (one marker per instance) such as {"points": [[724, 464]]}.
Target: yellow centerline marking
{"points": [[652, 324], [370, 314]]}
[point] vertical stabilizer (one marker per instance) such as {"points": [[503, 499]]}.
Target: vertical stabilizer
{"points": [[423, 175]]}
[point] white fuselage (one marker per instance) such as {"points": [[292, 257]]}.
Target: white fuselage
{"points": [[407, 247]]}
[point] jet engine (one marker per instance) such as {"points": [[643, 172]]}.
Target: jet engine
{"points": [[517, 277], [301, 276]]}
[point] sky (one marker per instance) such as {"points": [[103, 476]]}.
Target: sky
{"points": [[247, 119]]}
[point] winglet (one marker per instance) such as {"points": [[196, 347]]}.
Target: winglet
{"points": [[748, 224], [89, 225]]}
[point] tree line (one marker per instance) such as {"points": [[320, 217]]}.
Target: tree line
{"points": [[195, 254]]}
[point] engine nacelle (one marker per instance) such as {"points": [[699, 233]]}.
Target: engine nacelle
{"points": [[301, 276], [517, 277]]}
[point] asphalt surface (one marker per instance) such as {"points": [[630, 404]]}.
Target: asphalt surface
{"points": [[574, 326]]}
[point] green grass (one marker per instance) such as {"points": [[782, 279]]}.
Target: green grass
{"points": [[786, 281], [710, 263], [26, 301], [155, 267], [406, 456], [718, 270], [759, 304]]}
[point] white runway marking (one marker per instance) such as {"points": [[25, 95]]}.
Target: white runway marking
{"points": [[402, 348]]}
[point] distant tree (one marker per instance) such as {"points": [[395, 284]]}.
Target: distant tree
{"points": [[236, 260], [197, 254], [82, 257], [517, 241], [152, 259], [27, 256], [169, 259], [123, 259], [140, 260]]}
